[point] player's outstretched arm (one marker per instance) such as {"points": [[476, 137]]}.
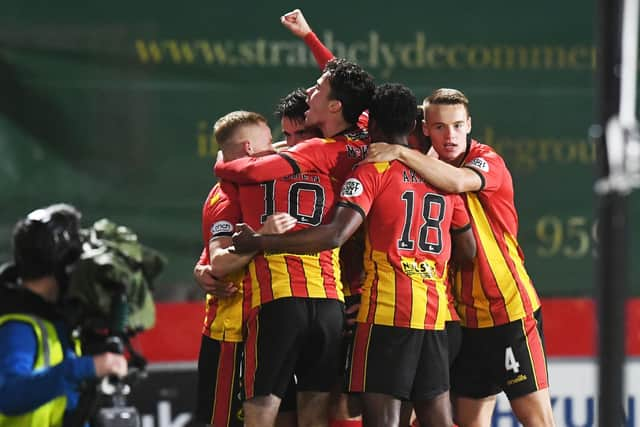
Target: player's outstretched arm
{"points": [[436, 172], [251, 170], [314, 239]]}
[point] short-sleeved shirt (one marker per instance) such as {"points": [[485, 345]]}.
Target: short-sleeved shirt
{"points": [[308, 197], [223, 316], [408, 244], [496, 289], [318, 163]]}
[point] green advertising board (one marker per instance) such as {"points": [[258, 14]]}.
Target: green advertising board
{"points": [[109, 106]]}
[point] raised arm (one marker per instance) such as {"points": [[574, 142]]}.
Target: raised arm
{"points": [[295, 22], [436, 172], [314, 239]]}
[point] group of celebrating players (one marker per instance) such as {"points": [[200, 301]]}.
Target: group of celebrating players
{"points": [[385, 270]]}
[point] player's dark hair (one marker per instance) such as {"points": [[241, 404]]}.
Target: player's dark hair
{"points": [[393, 109], [292, 106], [47, 241], [351, 85]]}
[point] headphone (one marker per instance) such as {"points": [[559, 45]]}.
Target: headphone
{"points": [[47, 241]]}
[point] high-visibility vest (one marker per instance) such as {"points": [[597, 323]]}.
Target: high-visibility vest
{"points": [[50, 353]]}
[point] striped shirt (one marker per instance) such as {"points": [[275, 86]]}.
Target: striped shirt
{"points": [[224, 317], [308, 197], [407, 246], [496, 289], [320, 166]]}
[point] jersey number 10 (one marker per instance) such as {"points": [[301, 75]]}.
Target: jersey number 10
{"points": [[295, 191]]}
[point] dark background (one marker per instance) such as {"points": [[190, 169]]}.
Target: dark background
{"points": [[109, 106]]}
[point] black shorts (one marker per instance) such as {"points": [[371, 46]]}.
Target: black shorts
{"points": [[509, 358], [408, 364], [301, 336], [347, 339], [219, 400], [219, 390], [454, 338]]}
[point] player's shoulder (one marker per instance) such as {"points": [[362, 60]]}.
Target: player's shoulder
{"points": [[304, 145], [215, 194], [377, 168], [481, 155], [220, 194]]}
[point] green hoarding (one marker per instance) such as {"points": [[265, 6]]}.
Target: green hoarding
{"points": [[109, 106]]}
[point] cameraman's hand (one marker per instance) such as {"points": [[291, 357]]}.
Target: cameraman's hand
{"points": [[110, 364]]}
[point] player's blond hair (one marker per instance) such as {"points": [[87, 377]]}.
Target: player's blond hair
{"points": [[226, 126], [446, 96]]}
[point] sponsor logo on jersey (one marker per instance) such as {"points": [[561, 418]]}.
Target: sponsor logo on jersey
{"points": [[221, 227], [425, 269], [351, 188], [479, 163]]}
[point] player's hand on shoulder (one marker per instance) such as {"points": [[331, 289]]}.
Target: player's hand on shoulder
{"points": [[110, 364], [295, 22], [278, 223]]}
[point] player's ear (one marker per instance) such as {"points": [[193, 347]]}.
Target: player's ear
{"points": [[335, 105], [425, 128], [469, 124], [247, 147]]}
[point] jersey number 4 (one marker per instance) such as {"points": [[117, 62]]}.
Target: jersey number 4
{"points": [[430, 236], [295, 191]]}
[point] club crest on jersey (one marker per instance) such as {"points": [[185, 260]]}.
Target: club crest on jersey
{"points": [[221, 227], [479, 163], [351, 188]]}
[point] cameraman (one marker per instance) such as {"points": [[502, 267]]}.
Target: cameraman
{"points": [[40, 366]]}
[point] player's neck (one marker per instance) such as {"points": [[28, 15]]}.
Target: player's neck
{"points": [[396, 140], [399, 140], [331, 129]]}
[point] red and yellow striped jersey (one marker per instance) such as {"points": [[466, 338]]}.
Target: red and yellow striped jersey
{"points": [[309, 198], [224, 317], [332, 159], [407, 247], [496, 289]]}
